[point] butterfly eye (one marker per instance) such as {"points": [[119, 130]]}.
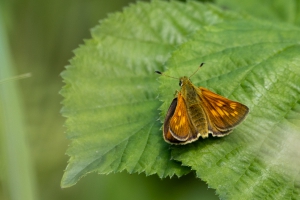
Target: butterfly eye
{"points": [[180, 82]]}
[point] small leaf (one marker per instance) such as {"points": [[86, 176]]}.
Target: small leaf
{"points": [[257, 64], [111, 88]]}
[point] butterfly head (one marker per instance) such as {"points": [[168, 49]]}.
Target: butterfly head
{"points": [[183, 81]]}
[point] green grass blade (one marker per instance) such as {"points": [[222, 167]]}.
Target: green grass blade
{"points": [[18, 177]]}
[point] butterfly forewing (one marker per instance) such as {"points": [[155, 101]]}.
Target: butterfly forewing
{"points": [[178, 126], [223, 113]]}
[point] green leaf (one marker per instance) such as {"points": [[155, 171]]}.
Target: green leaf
{"points": [[257, 64], [273, 10], [110, 96]]}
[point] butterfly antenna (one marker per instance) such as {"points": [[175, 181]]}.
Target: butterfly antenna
{"points": [[197, 70], [158, 72]]}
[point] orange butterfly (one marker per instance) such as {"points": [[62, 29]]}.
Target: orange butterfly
{"points": [[196, 112]]}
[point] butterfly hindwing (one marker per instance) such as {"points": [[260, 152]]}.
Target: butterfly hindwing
{"points": [[167, 135]]}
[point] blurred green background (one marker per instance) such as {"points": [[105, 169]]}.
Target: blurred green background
{"points": [[38, 37]]}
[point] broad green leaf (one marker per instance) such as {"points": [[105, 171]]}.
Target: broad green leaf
{"points": [[273, 10], [110, 96], [257, 64]]}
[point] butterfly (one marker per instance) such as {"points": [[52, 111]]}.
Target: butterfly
{"points": [[197, 111]]}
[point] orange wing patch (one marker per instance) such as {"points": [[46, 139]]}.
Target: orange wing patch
{"points": [[179, 129], [180, 125]]}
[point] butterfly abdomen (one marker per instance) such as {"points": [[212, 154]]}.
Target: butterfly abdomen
{"points": [[198, 118]]}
